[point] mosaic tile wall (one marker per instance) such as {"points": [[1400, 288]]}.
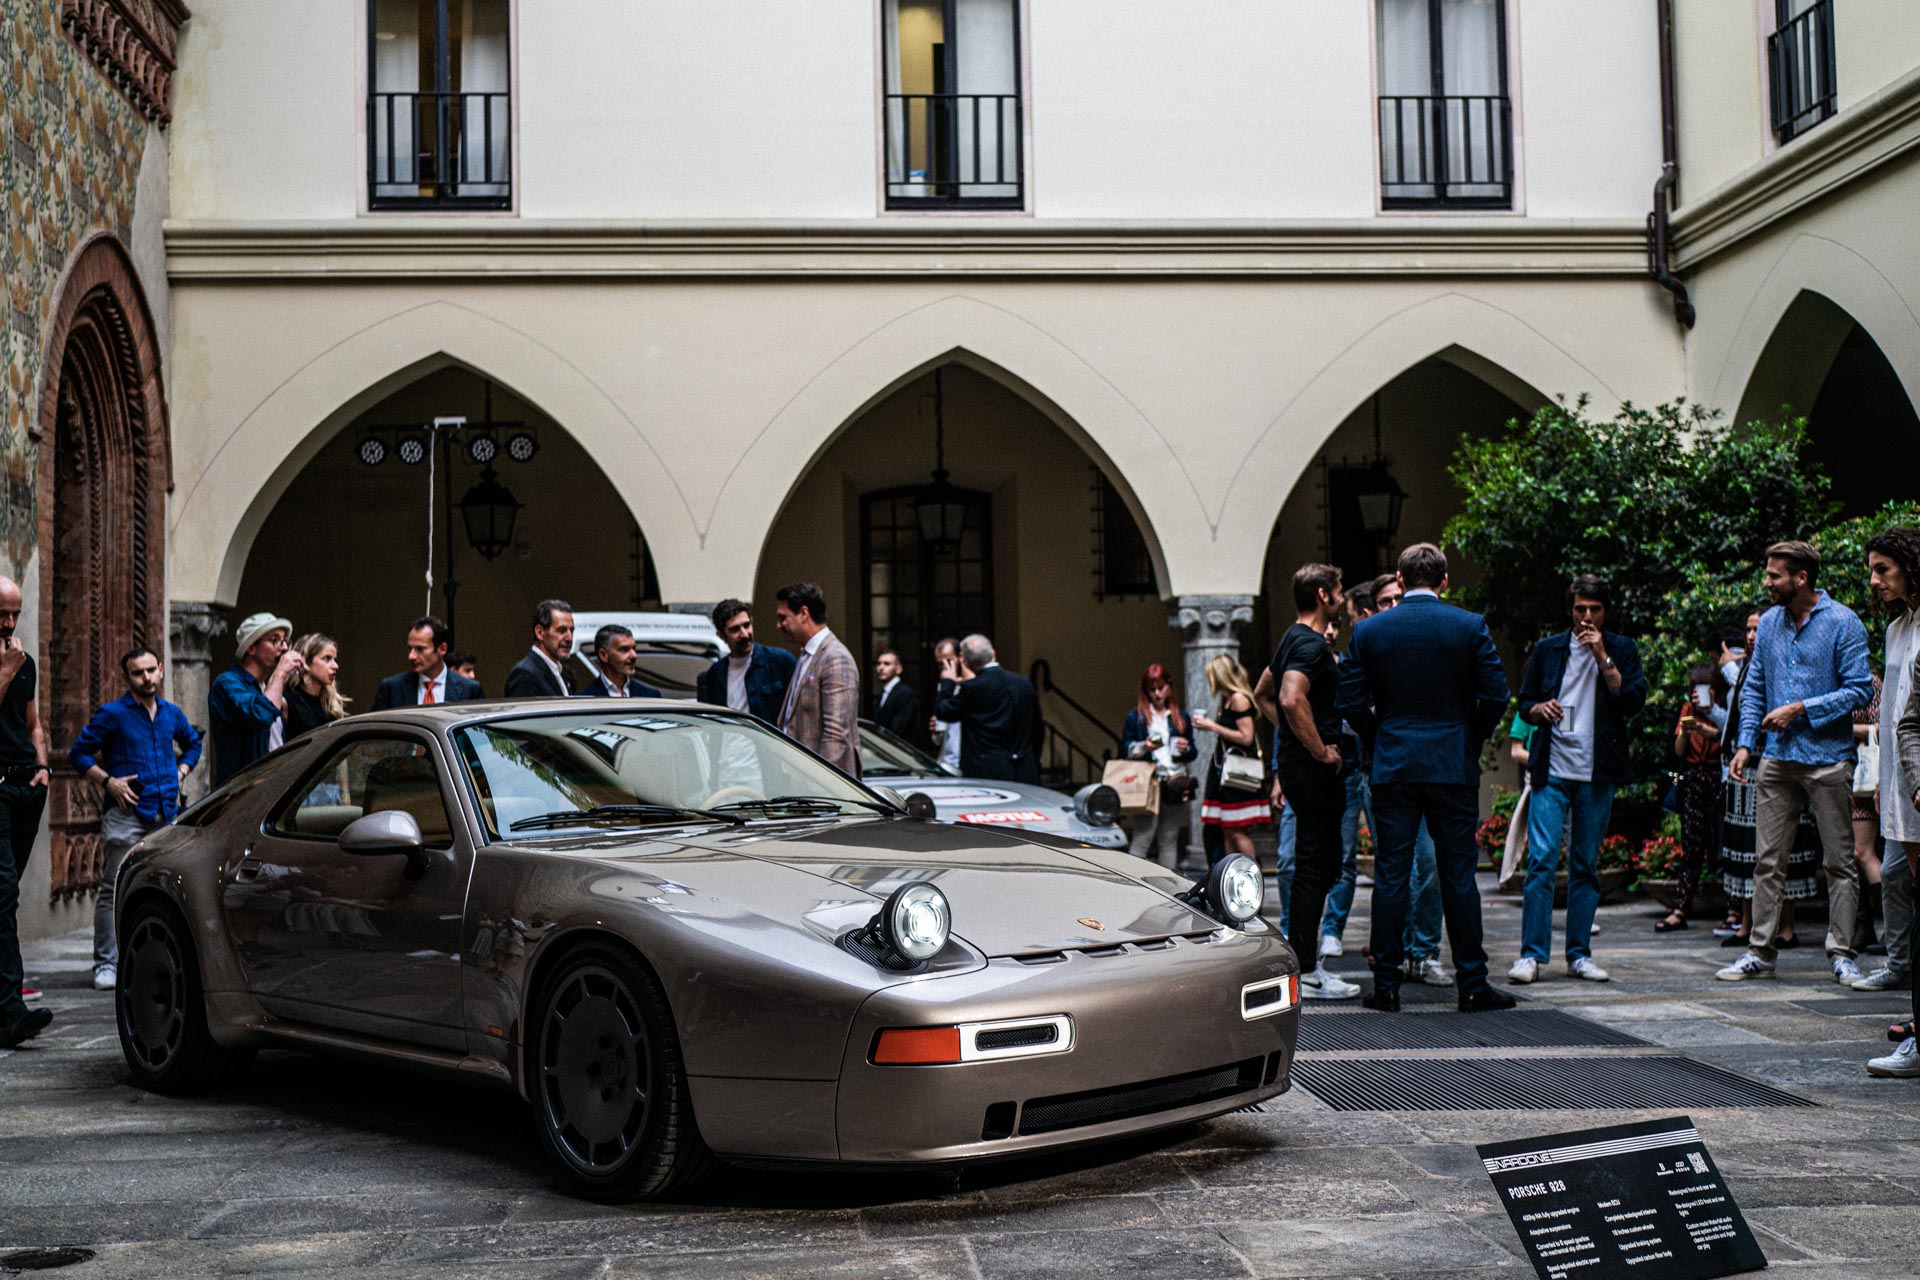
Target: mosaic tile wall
{"points": [[71, 153]]}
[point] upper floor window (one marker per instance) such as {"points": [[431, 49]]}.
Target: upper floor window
{"points": [[952, 119], [1800, 65], [439, 114], [1446, 122]]}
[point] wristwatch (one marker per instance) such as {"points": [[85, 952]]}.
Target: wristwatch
{"points": [[1608, 664]]}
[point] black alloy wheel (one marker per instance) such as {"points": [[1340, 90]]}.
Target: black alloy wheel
{"points": [[609, 1088], [160, 1008]]}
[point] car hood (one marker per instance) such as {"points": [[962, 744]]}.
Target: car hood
{"points": [[1010, 896]]}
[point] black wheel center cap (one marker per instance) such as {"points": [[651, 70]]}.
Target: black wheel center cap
{"points": [[597, 1068]]}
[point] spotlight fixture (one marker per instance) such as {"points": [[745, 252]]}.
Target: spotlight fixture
{"points": [[372, 450], [412, 449], [482, 447], [521, 446]]}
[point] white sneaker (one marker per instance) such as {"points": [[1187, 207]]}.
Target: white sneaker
{"points": [[105, 977], [1525, 969], [1433, 973], [1593, 930], [1902, 1064], [1584, 968], [1321, 985], [1884, 980], [1846, 972], [1747, 966], [1330, 945]]}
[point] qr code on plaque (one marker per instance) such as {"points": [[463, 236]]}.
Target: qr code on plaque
{"points": [[1698, 1161]]}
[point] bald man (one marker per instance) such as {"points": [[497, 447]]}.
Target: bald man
{"points": [[23, 797]]}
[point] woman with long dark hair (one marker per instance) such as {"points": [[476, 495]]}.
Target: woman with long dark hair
{"points": [[1893, 567], [1158, 730], [1696, 741]]}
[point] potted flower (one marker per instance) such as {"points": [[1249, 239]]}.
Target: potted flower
{"points": [[1660, 860], [1618, 865], [1363, 850], [1491, 836]]}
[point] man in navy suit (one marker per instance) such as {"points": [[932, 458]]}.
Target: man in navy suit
{"points": [[1002, 728], [752, 677], [1422, 685], [616, 654], [542, 672], [429, 679]]}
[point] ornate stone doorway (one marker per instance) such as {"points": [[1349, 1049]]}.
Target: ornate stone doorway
{"points": [[103, 470]]}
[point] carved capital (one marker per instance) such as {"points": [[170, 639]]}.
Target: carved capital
{"points": [[1211, 620], [192, 628]]}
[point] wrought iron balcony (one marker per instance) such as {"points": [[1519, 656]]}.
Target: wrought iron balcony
{"points": [[1800, 67], [1453, 152], [953, 150], [440, 150]]}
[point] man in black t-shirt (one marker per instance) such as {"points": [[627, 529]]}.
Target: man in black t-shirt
{"points": [[1296, 692], [23, 796]]}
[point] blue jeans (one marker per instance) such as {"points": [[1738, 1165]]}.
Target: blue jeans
{"points": [[1340, 899], [1283, 871], [20, 808], [1591, 804], [1424, 913]]}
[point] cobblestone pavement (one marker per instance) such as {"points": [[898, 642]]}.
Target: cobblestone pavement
{"points": [[312, 1166]]}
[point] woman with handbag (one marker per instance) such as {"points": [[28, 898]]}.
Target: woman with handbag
{"points": [[1696, 741], [1157, 730], [1235, 799]]}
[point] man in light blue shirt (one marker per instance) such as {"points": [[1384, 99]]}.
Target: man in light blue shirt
{"points": [[1807, 676]]}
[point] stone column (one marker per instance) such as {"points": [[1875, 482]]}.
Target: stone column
{"points": [[1208, 626], [194, 630]]}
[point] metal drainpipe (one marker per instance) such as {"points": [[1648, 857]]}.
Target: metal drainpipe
{"points": [[1658, 264]]}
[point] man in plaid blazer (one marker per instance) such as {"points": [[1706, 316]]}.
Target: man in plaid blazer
{"points": [[822, 708]]}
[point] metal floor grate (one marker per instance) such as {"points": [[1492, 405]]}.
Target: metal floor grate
{"points": [[1505, 1029], [1415, 997], [1531, 1084]]}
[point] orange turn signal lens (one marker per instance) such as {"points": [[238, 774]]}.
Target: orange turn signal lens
{"points": [[1293, 989], [908, 1046]]}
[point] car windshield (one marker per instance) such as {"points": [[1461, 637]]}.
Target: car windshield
{"points": [[643, 768], [884, 756]]}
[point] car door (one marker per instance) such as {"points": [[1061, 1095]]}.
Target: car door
{"points": [[357, 943]]}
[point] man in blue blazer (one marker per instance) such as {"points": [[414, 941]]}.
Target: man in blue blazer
{"points": [[752, 677], [1581, 687], [616, 654], [428, 679], [1422, 685]]}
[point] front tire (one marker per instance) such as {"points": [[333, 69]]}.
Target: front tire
{"points": [[608, 1083], [161, 1009]]}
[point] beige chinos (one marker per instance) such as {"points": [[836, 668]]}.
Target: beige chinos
{"points": [[1783, 790]]}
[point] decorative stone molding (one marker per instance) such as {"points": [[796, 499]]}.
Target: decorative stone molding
{"points": [[134, 43], [194, 627]]}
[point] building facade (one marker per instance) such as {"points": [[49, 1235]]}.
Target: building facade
{"points": [[1172, 303]]}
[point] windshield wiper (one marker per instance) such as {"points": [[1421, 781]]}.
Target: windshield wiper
{"points": [[813, 804], [617, 812]]}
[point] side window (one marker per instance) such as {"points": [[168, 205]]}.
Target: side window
{"points": [[216, 802], [368, 775]]}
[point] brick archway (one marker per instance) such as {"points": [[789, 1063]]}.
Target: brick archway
{"points": [[104, 460]]}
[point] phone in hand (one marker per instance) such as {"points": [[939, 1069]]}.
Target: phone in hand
{"points": [[1703, 696]]}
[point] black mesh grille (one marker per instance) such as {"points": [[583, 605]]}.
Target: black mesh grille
{"points": [[1071, 1110], [1017, 1037], [1266, 996], [862, 944]]}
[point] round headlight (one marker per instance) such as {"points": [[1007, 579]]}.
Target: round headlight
{"points": [[1097, 805], [920, 805], [1235, 887], [916, 919]]}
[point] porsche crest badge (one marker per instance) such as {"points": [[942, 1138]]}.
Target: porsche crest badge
{"points": [[1091, 923]]}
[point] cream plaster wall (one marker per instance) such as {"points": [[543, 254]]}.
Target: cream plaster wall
{"points": [[1875, 43], [1720, 91], [1587, 80], [705, 401]]}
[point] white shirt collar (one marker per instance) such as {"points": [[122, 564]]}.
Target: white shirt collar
{"points": [[991, 665], [1420, 591], [552, 666], [438, 682], [618, 690], [819, 638], [887, 688], [739, 663]]}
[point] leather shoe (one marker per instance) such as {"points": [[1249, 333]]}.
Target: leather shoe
{"points": [[24, 1028], [1485, 1000], [1384, 1001]]}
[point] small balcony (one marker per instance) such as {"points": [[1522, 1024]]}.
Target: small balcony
{"points": [[440, 150], [1453, 152], [953, 151], [1800, 68]]}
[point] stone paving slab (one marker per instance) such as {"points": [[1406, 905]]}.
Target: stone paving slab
{"points": [[311, 1169]]}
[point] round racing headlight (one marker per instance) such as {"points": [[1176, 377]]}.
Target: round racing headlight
{"points": [[920, 805], [1235, 888], [915, 921], [1097, 805]]}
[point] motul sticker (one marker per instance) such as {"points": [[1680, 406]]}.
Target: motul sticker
{"points": [[1013, 816]]}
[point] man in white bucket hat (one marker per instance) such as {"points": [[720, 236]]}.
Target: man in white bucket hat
{"points": [[249, 702]]}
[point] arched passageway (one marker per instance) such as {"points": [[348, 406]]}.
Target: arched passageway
{"points": [[1051, 560], [103, 468], [344, 549]]}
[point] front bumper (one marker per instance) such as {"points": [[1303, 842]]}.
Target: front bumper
{"points": [[1159, 1039]]}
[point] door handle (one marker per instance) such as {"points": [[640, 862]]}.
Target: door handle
{"points": [[249, 866]]}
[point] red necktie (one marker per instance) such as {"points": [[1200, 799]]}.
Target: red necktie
{"points": [[428, 700]]}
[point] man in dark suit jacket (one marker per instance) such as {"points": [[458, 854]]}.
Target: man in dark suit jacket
{"points": [[752, 677], [1002, 729], [1422, 685], [430, 680], [896, 707], [542, 672], [616, 654]]}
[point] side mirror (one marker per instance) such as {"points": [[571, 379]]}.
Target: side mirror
{"points": [[388, 831]]}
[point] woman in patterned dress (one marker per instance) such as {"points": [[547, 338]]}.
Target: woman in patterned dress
{"points": [[1234, 813]]}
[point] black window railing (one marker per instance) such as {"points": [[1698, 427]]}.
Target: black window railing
{"points": [[953, 150], [1455, 151], [1800, 67], [440, 150]]}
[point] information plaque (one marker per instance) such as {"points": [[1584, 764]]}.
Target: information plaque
{"points": [[1641, 1200]]}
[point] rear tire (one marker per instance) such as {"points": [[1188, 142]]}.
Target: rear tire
{"points": [[607, 1080], [161, 1009]]}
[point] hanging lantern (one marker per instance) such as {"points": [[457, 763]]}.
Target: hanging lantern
{"points": [[489, 510], [939, 509]]}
